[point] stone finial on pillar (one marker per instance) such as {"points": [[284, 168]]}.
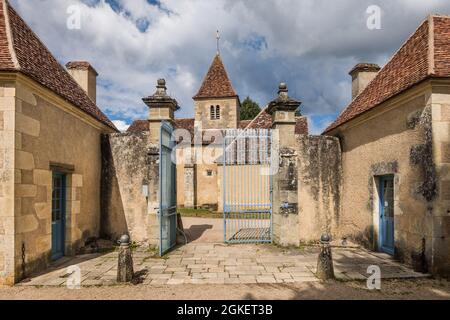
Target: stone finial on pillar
{"points": [[162, 108], [125, 271], [325, 270], [283, 110]]}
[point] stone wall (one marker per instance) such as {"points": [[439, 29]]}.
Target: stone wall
{"points": [[130, 162], [319, 186], [42, 136], [393, 140], [7, 230], [440, 103], [229, 113], [307, 190]]}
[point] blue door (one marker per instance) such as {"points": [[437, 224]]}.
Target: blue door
{"points": [[386, 234], [167, 191], [58, 215]]}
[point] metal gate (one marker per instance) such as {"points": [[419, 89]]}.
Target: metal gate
{"points": [[167, 191], [247, 186]]}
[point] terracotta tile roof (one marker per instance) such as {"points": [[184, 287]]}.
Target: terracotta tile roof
{"points": [[143, 125], [244, 123], [187, 124], [264, 121], [301, 126], [216, 83], [22, 51], [138, 126], [425, 54]]}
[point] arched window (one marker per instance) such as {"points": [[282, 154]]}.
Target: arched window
{"points": [[217, 112], [213, 113]]}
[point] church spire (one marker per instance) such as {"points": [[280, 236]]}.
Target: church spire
{"points": [[216, 83]]}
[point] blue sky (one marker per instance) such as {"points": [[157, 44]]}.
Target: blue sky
{"points": [[310, 44]]}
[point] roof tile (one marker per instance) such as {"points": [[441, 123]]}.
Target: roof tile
{"points": [[410, 65], [216, 83], [36, 61]]}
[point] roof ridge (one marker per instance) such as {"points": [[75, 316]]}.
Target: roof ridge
{"points": [[380, 73], [9, 35], [392, 57], [37, 62]]}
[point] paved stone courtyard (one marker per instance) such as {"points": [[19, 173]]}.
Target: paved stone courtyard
{"points": [[215, 263]]}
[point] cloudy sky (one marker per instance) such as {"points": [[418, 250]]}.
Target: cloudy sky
{"points": [[310, 44]]}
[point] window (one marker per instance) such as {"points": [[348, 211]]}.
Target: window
{"points": [[215, 112], [209, 173]]}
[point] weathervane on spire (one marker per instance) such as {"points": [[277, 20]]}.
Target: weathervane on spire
{"points": [[218, 42]]}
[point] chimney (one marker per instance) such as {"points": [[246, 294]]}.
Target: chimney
{"points": [[86, 76], [362, 74]]}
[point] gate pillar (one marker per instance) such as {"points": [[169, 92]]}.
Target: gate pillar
{"points": [[162, 108], [285, 179]]}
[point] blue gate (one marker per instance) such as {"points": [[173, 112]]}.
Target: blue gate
{"points": [[247, 186], [167, 191]]}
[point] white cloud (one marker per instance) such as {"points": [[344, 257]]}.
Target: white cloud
{"points": [[121, 125], [311, 44]]}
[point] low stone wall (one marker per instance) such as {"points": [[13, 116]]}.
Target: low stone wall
{"points": [[319, 191], [130, 162], [307, 190]]}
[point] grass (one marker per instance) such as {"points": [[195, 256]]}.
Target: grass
{"points": [[199, 213]]}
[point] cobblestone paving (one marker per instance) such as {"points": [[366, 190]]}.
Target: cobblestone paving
{"points": [[222, 264]]}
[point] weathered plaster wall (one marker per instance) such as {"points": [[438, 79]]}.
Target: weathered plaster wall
{"points": [[133, 162], [45, 137], [394, 141], [319, 186], [441, 209]]}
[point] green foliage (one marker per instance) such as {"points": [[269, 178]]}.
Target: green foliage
{"points": [[249, 109]]}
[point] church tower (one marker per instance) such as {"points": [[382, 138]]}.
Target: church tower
{"points": [[217, 105]]}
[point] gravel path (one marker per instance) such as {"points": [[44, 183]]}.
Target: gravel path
{"points": [[391, 289]]}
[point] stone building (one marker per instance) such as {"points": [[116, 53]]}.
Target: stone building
{"points": [[49, 194], [217, 107], [395, 141], [379, 175]]}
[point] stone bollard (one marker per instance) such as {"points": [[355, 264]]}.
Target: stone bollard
{"points": [[125, 264], [325, 268]]}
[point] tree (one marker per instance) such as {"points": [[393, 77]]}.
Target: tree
{"points": [[249, 109]]}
